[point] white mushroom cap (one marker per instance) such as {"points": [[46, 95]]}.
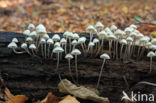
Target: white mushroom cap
{"points": [[12, 45], [31, 26], [24, 45], [57, 44], [102, 34], [29, 39], [95, 40], [63, 41], [91, 29], [133, 34], [74, 42], [33, 34], [153, 47], [107, 29], [133, 26], [111, 37], [128, 30], [151, 54], [58, 49], [46, 36], [129, 39], [41, 30], [76, 52], [56, 37], [15, 40], [26, 32], [153, 41], [50, 41], [119, 32], [147, 37], [105, 56], [91, 44], [69, 56], [75, 36], [70, 35], [99, 25], [113, 27], [144, 39], [65, 33], [123, 41], [139, 35], [32, 46], [42, 41], [148, 44], [82, 40]]}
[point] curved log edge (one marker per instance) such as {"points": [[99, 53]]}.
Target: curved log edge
{"points": [[34, 77]]}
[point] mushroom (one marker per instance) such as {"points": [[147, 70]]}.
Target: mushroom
{"points": [[15, 40], [29, 40], [111, 38], [31, 27], [82, 41], [26, 32], [76, 36], [76, 52], [104, 57], [128, 48], [58, 50], [13, 46], [90, 46], [113, 28], [74, 43], [96, 41], [99, 26], [25, 47], [91, 30], [41, 30], [63, 42], [56, 38], [49, 42], [70, 36], [69, 57], [122, 42], [43, 42], [32, 47], [151, 54]]}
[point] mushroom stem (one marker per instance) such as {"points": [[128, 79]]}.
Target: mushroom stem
{"points": [[42, 51], [76, 68], [82, 47], [45, 50], [70, 69], [48, 50], [18, 52], [90, 36], [117, 49], [57, 62], [100, 73], [121, 50], [150, 65], [70, 44], [65, 48]]}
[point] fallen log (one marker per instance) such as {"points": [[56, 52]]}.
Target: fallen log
{"points": [[34, 77]]}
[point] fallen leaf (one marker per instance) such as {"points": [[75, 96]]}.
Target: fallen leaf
{"points": [[65, 86], [18, 99], [69, 99], [50, 98]]}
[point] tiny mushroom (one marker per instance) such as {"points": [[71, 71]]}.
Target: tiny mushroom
{"points": [[31, 26], [13, 46], [32, 47], [104, 57], [26, 32], [76, 52], [99, 26], [25, 47], [151, 54], [15, 40], [58, 50], [69, 57], [56, 38]]}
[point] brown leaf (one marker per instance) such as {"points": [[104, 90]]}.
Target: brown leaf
{"points": [[50, 98], [18, 99]]}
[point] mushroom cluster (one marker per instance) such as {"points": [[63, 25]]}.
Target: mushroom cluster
{"points": [[112, 41]]}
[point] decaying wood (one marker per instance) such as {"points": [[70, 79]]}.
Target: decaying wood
{"points": [[34, 77]]}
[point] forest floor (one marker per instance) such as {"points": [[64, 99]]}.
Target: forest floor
{"points": [[75, 15]]}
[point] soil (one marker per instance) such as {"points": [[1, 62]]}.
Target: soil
{"points": [[34, 77]]}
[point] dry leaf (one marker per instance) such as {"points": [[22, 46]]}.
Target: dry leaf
{"points": [[69, 99], [8, 94], [67, 87], [50, 98], [18, 99]]}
